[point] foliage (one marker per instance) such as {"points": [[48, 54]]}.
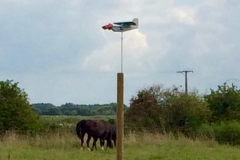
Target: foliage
{"points": [[185, 113], [227, 132], [76, 109], [166, 110], [144, 113], [46, 109], [224, 103], [15, 111]]}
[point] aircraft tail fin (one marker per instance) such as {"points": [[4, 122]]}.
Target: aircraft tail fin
{"points": [[135, 20]]}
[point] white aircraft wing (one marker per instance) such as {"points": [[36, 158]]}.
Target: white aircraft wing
{"points": [[125, 23], [122, 26]]}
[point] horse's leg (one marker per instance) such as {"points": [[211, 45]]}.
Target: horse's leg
{"points": [[114, 140], [94, 143], [82, 140], [102, 143], [109, 140], [88, 140], [109, 143]]}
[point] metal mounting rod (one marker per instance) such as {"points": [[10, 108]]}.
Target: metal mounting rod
{"points": [[121, 52]]}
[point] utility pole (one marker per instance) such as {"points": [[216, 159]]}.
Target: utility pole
{"points": [[186, 83]]}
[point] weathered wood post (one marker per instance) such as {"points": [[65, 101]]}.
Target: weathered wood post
{"points": [[120, 115]]}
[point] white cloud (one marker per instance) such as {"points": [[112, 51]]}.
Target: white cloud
{"points": [[19, 2], [59, 44], [108, 58], [185, 15]]}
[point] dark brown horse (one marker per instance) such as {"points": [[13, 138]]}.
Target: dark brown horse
{"points": [[97, 129], [111, 133]]}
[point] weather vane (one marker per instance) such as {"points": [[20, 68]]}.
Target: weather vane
{"points": [[122, 27]]}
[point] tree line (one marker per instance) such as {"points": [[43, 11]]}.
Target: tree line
{"points": [[75, 109], [215, 115]]}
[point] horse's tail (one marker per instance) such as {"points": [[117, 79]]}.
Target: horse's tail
{"points": [[79, 128]]}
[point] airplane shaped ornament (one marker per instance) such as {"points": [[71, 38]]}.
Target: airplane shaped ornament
{"points": [[122, 26]]}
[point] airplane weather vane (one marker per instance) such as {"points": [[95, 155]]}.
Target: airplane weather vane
{"points": [[122, 27]]}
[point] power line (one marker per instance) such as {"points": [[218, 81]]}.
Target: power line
{"points": [[186, 83]]}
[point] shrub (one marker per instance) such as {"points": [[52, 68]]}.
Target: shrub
{"points": [[15, 111], [205, 132], [185, 113], [224, 103], [166, 110], [143, 112], [227, 132]]}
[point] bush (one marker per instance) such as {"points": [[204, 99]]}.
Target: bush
{"points": [[15, 111], [224, 103], [227, 132], [185, 113], [143, 112], [166, 110], [205, 132]]}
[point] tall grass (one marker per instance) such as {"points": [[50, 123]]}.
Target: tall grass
{"points": [[145, 146]]}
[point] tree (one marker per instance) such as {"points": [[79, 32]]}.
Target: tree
{"points": [[15, 111], [156, 108], [37, 110], [54, 111], [43, 108], [84, 111], [144, 112], [185, 112], [224, 103]]}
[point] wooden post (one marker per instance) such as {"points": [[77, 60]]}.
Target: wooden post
{"points": [[120, 115], [186, 87]]}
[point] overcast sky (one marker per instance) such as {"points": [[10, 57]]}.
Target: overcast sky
{"points": [[58, 52]]}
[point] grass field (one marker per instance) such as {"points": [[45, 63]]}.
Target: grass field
{"points": [[66, 146]]}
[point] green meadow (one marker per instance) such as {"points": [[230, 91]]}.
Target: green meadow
{"points": [[66, 146]]}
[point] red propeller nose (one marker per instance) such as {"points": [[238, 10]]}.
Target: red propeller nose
{"points": [[109, 26]]}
